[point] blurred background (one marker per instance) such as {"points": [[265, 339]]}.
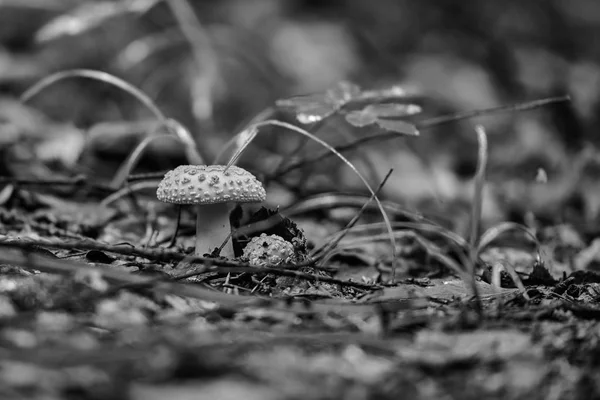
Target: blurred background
{"points": [[243, 55]]}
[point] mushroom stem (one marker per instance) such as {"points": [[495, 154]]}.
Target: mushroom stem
{"points": [[212, 228]]}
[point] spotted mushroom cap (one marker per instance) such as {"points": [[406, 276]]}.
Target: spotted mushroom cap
{"points": [[268, 250], [208, 184]]}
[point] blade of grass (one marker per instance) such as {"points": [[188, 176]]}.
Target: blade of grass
{"points": [[204, 55], [170, 124], [333, 200], [425, 227], [478, 190], [238, 140], [476, 211], [182, 136], [132, 160], [95, 75], [496, 277], [341, 157], [131, 188], [313, 128], [138, 51], [494, 232], [333, 243], [431, 248], [244, 139]]}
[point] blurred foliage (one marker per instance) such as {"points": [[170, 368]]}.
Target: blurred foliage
{"points": [[215, 73]]}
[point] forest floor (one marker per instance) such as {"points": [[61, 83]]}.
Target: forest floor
{"points": [[482, 280], [84, 318]]}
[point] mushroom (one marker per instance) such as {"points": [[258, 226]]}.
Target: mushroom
{"points": [[211, 189], [268, 250]]}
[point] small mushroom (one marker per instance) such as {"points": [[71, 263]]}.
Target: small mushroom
{"points": [[211, 189], [268, 250]]}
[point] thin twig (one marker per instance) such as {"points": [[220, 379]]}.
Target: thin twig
{"points": [[79, 180], [427, 124], [155, 255], [174, 238], [303, 132], [326, 248], [280, 272], [150, 176], [299, 147], [223, 244], [37, 262], [210, 264], [526, 106]]}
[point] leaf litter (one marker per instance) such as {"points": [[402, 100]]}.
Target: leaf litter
{"points": [[88, 297], [94, 303]]}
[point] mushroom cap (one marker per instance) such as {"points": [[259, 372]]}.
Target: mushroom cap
{"points": [[268, 250], [209, 184]]}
